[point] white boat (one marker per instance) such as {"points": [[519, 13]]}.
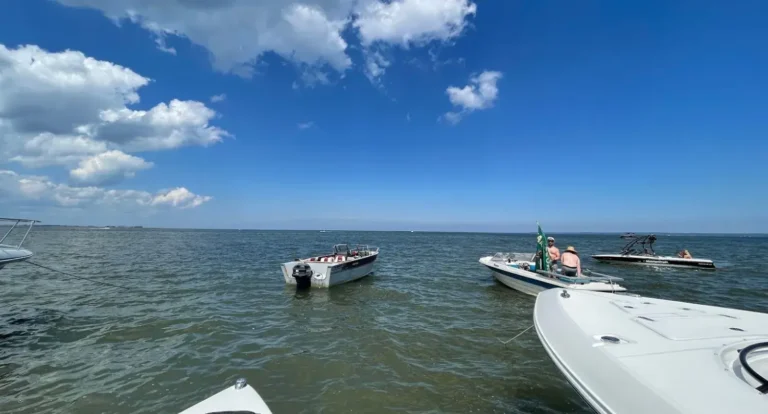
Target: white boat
{"points": [[627, 354], [342, 266], [240, 398], [14, 253], [518, 271], [640, 251]]}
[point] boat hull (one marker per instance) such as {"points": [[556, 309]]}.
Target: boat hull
{"points": [[532, 283], [10, 254], [629, 354], [325, 275], [664, 261]]}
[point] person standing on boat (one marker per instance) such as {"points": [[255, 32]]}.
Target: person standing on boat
{"points": [[554, 252], [570, 262]]}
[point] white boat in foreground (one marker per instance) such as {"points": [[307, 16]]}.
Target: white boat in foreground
{"points": [[518, 271], [14, 253], [627, 354], [341, 266], [240, 398]]}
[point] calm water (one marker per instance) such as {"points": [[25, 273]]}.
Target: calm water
{"points": [[421, 335]]}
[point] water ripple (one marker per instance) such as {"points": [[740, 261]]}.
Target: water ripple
{"points": [[420, 335]]}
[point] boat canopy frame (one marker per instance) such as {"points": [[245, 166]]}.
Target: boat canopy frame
{"points": [[646, 241], [16, 221]]}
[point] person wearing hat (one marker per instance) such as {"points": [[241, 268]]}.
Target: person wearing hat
{"points": [[554, 252], [570, 262]]}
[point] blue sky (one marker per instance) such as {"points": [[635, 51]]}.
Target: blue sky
{"points": [[585, 116]]}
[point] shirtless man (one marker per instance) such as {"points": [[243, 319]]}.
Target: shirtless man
{"points": [[571, 264], [554, 252]]}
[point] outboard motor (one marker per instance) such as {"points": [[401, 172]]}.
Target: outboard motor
{"points": [[303, 274]]}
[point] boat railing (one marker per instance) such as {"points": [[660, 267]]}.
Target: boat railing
{"points": [[509, 257], [16, 221], [588, 276]]}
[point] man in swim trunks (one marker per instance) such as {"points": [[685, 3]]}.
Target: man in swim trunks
{"points": [[570, 262], [554, 252]]}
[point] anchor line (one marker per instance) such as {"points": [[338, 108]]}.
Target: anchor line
{"points": [[516, 336], [81, 277]]}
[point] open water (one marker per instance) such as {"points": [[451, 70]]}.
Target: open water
{"points": [[422, 335]]}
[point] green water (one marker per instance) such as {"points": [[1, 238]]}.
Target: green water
{"points": [[206, 307]]}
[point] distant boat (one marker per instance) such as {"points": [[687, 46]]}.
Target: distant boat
{"points": [[12, 254], [627, 235], [640, 251], [342, 266]]}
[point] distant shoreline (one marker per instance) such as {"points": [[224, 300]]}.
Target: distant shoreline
{"points": [[575, 233]]}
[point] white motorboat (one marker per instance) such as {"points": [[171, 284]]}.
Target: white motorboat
{"points": [[518, 271], [341, 266], [627, 354], [639, 251], [240, 398], [14, 253]]}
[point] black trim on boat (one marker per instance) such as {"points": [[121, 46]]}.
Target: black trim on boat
{"points": [[655, 260], [763, 388], [354, 263]]}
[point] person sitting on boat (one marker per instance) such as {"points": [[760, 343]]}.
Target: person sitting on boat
{"points": [[570, 262], [554, 252], [685, 254]]}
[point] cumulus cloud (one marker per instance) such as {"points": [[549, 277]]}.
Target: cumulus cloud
{"points": [[218, 98], [41, 190], [67, 109], [107, 168], [237, 33], [406, 22], [61, 108], [375, 66], [306, 125], [480, 93]]}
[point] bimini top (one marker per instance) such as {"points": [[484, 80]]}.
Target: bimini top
{"points": [[13, 252]]}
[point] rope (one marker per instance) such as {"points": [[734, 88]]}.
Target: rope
{"points": [[81, 277], [516, 336]]}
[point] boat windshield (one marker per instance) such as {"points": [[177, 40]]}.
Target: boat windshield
{"points": [[341, 249]]}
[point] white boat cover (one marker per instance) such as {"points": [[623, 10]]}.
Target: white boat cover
{"points": [[628, 354], [243, 400]]}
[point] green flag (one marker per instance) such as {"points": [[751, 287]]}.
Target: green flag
{"points": [[541, 244]]}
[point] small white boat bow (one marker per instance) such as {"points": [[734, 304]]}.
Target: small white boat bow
{"points": [[240, 398]]}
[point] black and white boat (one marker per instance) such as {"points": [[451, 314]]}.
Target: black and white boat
{"points": [[345, 264], [11, 253], [639, 251]]}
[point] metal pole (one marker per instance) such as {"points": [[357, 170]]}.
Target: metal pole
{"points": [[9, 231], [31, 223]]}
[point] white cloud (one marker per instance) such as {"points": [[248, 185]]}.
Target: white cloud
{"points": [[178, 124], [480, 93], [306, 125], [237, 33], [218, 98], [107, 168], [68, 87], [67, 109], [406, 22], [61, 108], [375, 66], [38, 189]]}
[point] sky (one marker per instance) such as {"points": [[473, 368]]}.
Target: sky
{"points": [[451, 115]]}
